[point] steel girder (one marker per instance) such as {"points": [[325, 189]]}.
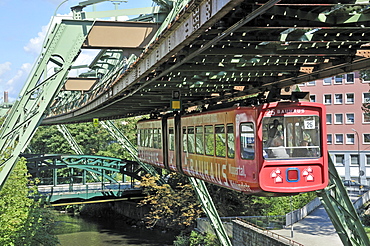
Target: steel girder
{"points": [[60, 50], [341, 211], [209, 209]]}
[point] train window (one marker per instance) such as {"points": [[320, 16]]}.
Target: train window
{"points": [[220, 140], [184, 140], [291, 137], [191, 141], [171, 136], [199, 140], [159, 138], [247, 141], [139, 137], [209, 140], [230, 141], [146, 138], [155, 138], [151, 138]]}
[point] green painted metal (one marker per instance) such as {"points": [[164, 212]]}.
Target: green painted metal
{"points": [[67, 135], [121, 138], [341, 211], [210, 210], [98, 166], [60, 50], [176, 8]]}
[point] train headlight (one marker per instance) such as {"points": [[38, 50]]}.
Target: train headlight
{"points": [[292, 174]]}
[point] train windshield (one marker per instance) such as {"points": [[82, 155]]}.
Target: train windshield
{"points": [[291, 137]]}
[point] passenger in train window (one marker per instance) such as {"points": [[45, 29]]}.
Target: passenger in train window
{"points": [[302, 152], [278, 150], [273, 132]]}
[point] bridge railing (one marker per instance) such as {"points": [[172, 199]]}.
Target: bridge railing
{"points": [[86, 191]]}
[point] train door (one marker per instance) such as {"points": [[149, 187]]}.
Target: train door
{"points": [[247, 156]]}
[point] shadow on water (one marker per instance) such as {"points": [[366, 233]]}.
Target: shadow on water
{"points": [[77, 231]]}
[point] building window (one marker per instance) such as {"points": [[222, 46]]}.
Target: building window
{"points": [[350, 118], [338, 79], [339, 160], [327, 81], [329, 139], [338, 119], [366, 97], [327, 99], [350, 78], [338, 138], [366, 137], [338, 98], [367, 160], [313, 98], [354, 160], [365, 118], [350, 139], [311, 83], [365, 78], [350, 98], [329, 119]]}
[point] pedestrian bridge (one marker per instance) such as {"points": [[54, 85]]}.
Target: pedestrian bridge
{"points": [[84, 177], [95, 192]]}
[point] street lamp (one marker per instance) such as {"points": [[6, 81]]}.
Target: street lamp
{"points": [[358, 155]]}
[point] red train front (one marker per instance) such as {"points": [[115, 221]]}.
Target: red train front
{"points": [[271, 149]]}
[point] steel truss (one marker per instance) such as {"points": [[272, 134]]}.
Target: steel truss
{"points": [[341, 211], [44, 82]]}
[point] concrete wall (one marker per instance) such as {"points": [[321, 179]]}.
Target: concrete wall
{"points": [[299, 214], [244, 234], [130, 209]]}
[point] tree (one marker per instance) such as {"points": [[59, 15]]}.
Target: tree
{"points": [[22, 220], [175, 207]]}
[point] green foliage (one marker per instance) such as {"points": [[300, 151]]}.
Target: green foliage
{"points": [[366, 219], [196, 239], [93, 140], [270, 206], [22, 220], [175, 207]]}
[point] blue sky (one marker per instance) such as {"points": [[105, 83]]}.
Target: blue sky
{"points": [[23, 24]]}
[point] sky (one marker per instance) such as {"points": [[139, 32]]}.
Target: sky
{"points": [[23, 26]]}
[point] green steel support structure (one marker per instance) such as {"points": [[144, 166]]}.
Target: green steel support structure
{"points": [[210, 210], [341, 211], [60, 50]]}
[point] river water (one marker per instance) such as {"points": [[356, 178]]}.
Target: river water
{"points": [[77, 231]]}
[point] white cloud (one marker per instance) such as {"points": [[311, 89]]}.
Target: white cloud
{"points": [[15, 84], [5, 67], [35, 44]]}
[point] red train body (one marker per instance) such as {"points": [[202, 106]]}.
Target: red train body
{"points": [[271, 149]]}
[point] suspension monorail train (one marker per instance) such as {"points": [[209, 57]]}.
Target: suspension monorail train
{"points": [[272, 149]]}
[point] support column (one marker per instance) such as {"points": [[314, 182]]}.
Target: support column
{"points": [[210, 210], [341, 211]]}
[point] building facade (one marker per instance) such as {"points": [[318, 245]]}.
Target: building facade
{"points": [[348, 127]]}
